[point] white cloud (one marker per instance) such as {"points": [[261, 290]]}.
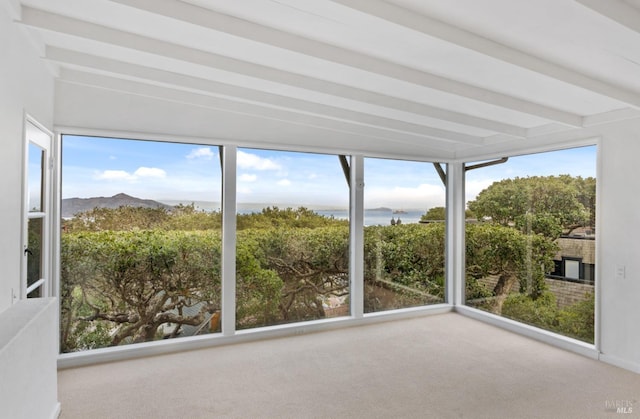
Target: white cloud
{"points": [[122, 175], [246, 177], [114, 175], [255, 162], [150, 172], [201, 153], [284, 182]]}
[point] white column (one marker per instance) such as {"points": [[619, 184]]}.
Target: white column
{"points": [[356, 247], [228, 269], [455, 247]]}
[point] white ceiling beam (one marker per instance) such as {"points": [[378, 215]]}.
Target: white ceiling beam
{"points": [[438, 29], [425, 144], [611, 116], [258, 33], [44, 20], [616, 10], [64, 56], [560, 140], [546, 129]]}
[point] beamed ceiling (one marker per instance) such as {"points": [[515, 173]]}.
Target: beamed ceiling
{"points": [[445, 77]]}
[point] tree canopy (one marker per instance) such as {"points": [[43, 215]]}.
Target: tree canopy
{"points": [[434, 214], [548, 205]]}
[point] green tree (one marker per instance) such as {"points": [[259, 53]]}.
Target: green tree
{"points": [[440, 213], [311, 265], [274, 217], [187, 217], [133, 282], [434, 214], [123, 218], [538, 204], [514, 257], [404, 265]]}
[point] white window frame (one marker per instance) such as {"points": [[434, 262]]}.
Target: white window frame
{"points": [[555, 339], [229, 333], [37, 134]]}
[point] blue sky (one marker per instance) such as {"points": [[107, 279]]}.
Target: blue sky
{"points": [[579, 161], [189, 172]]}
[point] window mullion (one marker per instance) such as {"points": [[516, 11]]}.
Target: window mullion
{"points": [[455, 234], [228, 271], [356, 217]]}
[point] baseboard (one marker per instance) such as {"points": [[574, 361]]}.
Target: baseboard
{"points": [[56, 411], [622, 363], [554, 339], [159, 347]]}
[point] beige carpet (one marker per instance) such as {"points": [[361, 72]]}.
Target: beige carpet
{"points": [[445, 366]]}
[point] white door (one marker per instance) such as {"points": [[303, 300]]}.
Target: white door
{"points": [[36, 233]]}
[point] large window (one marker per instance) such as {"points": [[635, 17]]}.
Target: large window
{"points": [[530, 240], [292, 256], [140, 241], [404, 235]]}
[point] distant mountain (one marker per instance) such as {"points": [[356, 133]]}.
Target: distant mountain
{"points": [[73, 206]]}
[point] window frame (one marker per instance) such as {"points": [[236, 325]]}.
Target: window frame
{"points": [[60, 134], [454, 252], [35, 133], [458, 236]]}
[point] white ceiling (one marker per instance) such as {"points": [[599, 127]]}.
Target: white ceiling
{"points": [[452, 76]]}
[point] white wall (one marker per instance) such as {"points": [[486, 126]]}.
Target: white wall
{"points": [[619, 244], [25, 86], [28, 360], [28, 329]]}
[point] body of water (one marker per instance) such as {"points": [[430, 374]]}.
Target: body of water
{"points": [[371, 217], [377, 217]]}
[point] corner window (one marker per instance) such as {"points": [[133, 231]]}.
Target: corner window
{"points": [[530, 240]]}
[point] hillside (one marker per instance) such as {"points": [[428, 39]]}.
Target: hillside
{"points": [[72, 206]]}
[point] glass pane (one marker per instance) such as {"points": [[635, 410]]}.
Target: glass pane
{"points": [[572, 269], [36, 178], [34, 251], [530, 240], [36, 293], [293, 238], [404, 235], [141, 241]]}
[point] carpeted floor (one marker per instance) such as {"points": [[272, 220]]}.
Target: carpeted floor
{"points": [[444, 366]]}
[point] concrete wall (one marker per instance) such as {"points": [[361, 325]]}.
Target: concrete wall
{"points": [[25, 86], [29, 388], [579, 248], [568, 293]]}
